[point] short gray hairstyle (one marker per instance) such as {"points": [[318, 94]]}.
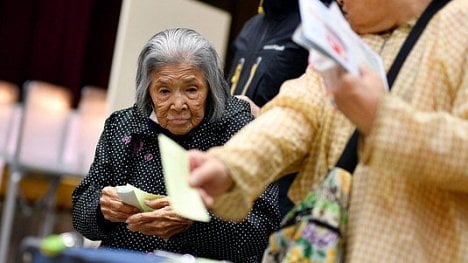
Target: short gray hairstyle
{"points": [[182, 45]]}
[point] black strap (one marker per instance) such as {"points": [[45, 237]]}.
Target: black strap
{"points": [[349, 158]]}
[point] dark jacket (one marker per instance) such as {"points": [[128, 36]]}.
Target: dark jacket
{"points": [[128, 152], [264, 53]]}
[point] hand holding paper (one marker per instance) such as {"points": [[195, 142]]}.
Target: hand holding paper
{"points": [[327, 32], [135, 197], [185, 201]]}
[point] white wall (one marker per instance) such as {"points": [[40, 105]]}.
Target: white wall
{"points": [[141, 19]]}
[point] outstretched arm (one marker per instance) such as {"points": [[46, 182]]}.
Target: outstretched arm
{"points": [[276, 143]]}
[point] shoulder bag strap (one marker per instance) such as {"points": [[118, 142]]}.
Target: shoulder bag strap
{"points": [[349, 157]]}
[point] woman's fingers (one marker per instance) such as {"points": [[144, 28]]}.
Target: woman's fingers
{"points": [[358, 97], [112, 208], [209, 174], [163, 222], [158, 203]]}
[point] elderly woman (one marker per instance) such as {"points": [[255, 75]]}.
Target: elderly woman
{"points": [[181, 92]]}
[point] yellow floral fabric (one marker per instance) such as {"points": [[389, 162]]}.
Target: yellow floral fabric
{"points": [[315, 229], [409, 195]]}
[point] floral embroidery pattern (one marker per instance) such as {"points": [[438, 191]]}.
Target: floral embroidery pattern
{"points": [[126, 139], [148, 156]]}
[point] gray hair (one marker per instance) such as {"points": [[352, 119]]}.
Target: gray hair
{"points": [[182, 45]]}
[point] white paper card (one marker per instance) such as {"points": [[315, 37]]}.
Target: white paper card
{"points": [[131, 195], [326, 31]]}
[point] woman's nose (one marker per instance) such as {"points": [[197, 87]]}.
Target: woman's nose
{"points": [[179, 102]]}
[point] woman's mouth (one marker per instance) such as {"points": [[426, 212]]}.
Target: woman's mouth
{"points": [[179, 121]]}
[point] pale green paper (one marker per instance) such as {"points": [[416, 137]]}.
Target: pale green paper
{"points": [[185, 200]]}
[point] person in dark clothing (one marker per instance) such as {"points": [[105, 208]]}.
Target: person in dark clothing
{"points": [[264, 57], [182, 93], [264, 53]]}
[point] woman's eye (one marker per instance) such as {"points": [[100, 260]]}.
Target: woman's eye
{"points": [[164, 91], [192, 89]]}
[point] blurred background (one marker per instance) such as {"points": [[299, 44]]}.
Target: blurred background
{"points": [[71, 43], [64, 66]]}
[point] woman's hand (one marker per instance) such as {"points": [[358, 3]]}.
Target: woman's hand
{"points": [[209, 175], [113, 208], [358, 97], [254, 109], [162, 222]]}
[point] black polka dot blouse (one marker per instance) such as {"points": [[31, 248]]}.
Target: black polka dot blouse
{"points": [[128, 152]]}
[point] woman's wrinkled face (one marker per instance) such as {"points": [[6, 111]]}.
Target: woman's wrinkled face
{"points": [[179, 93]]}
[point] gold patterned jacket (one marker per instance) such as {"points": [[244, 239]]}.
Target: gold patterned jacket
{"points": [[409, 196]]}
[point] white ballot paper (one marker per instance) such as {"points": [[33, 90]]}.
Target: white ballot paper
{"points": [[326, 32], [185, 200], [131, 195]]}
